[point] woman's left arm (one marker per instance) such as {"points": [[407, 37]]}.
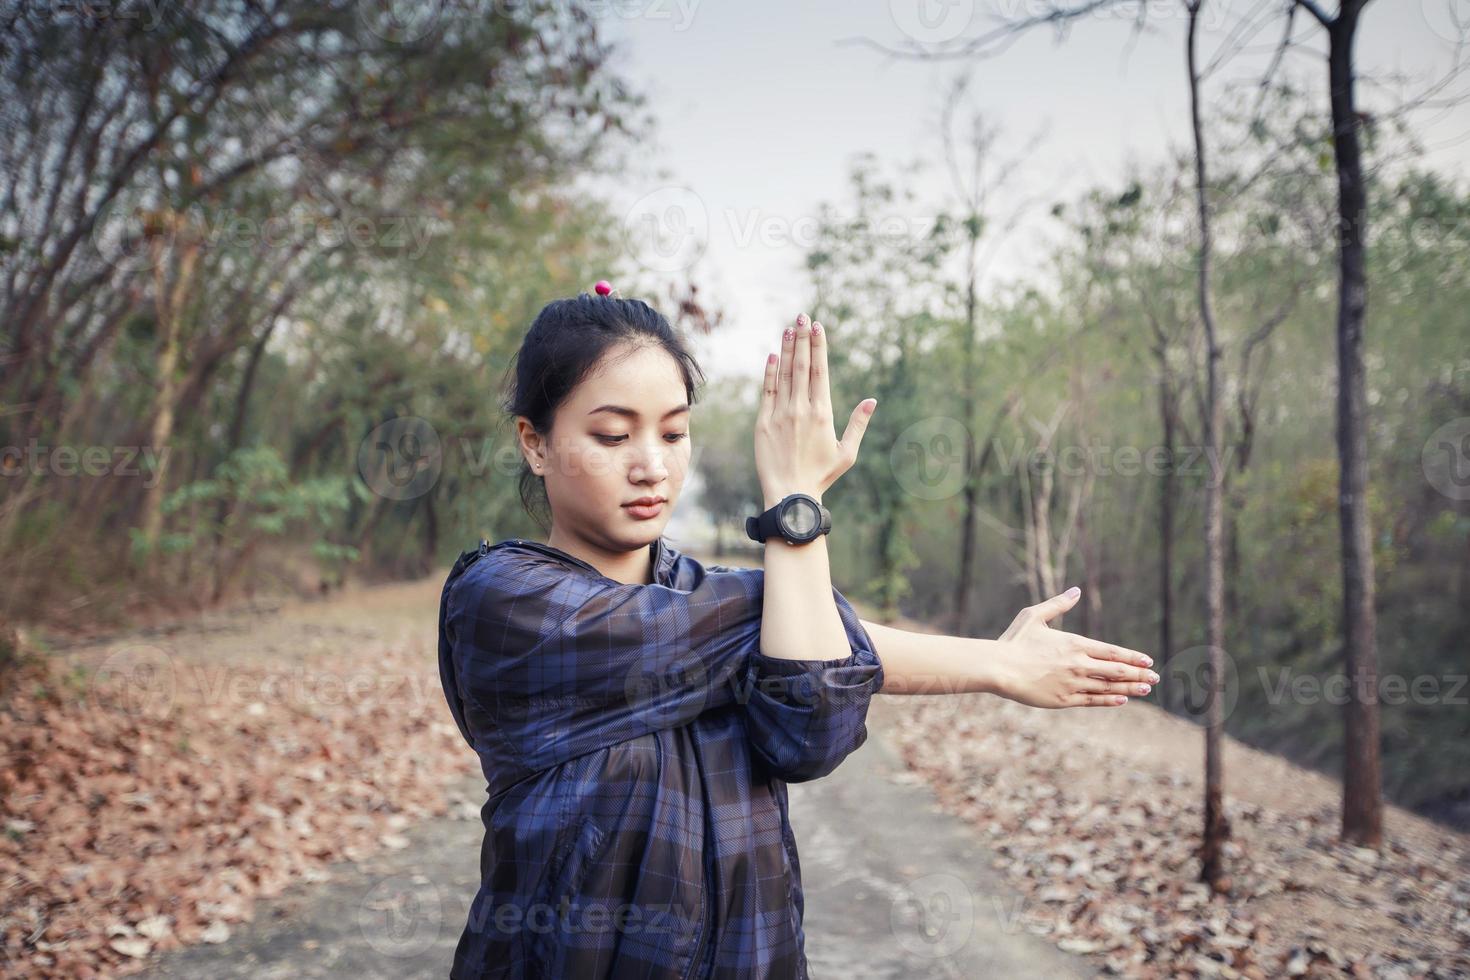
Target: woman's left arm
{"points": [[1031, 663]]}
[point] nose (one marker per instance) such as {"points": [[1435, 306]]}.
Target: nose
{"points": [[651, 467]]}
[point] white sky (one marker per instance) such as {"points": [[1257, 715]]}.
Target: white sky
{"points": [[760, 109]]}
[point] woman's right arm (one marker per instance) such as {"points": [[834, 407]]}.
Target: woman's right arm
{"points": [[816, 670]]}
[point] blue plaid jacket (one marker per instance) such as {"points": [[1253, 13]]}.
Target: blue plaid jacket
{"points": [[636, 746]]}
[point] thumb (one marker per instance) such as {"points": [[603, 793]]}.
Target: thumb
{"points": [[1058, 604], [857, 424]]}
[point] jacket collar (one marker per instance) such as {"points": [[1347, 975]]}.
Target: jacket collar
{"points": [[663, 556]]}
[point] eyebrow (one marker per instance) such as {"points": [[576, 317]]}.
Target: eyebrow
{"points": [[632, 414]]}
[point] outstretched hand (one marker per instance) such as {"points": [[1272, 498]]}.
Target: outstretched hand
{"points": [[1050, 668], [795, 449]]}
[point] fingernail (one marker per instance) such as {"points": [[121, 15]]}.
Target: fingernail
{"points": [[1072, 593], [771, 359], [1153, 678], [789, 333], [1148, 661], [816, 328], [801, 319], [1143, 689]]}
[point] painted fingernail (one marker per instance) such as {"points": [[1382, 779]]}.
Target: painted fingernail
{"points": [[771, 359], [1153, 678], [816, 328], [1120, 700], [1148, 661], [789, 333], [801, 319], [1143, 689]]}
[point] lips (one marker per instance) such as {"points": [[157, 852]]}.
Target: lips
{"points": [[645, 507]]}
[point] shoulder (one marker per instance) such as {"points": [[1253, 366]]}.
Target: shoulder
{"points": [[511, 570]]}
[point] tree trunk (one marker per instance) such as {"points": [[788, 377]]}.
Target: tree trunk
{"points": [[1166, 540], [963, 581], [1216, 827], [1362, 783], [170, 303]]}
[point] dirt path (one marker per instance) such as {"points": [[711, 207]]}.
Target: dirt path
{"points": [[894, 888]]}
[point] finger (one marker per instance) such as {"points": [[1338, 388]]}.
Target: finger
{"points": [[1111, 651], [857, 424], [801, 364], [1050, 609], [1135, 689], [768, 386], [821, 384], [1112, 671], [1096, 700], [783, 382]]}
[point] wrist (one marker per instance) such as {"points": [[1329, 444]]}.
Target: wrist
{"points": [[996, 674], [771, 498]]}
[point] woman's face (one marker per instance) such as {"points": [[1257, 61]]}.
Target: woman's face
{"points": [[622, 434]]}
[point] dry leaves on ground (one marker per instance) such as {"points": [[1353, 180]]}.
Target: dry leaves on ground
{"points": [[134, 824], [1104, 854]]}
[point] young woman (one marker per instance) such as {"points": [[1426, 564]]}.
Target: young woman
{"points": [[637, 714]]}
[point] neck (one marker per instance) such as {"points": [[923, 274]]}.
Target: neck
{"points": [[629, 567]]}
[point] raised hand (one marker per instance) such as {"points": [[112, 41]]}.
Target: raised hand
{"points": [[1050, 668], [795, 448]]}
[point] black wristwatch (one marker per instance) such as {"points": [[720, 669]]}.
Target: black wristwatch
{"points": [[797, 518]]}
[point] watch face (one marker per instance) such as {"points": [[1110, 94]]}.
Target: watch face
{"points": [[800, 518]]}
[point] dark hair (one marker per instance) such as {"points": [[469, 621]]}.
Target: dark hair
{"points": [[566, 342]]}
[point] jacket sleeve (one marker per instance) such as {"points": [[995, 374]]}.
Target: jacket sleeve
{"points": [[803, 717], [558, 664]]}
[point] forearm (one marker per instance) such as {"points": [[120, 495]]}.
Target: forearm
{"points": [[799, 619], [931, 663]]}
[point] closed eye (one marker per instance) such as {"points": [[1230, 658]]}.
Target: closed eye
{"points": [[615, 440]]}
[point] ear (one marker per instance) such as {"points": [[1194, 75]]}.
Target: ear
{"points": [[531, 445]]}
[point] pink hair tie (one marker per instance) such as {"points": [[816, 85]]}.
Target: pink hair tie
{"points": [[603, 287]]}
